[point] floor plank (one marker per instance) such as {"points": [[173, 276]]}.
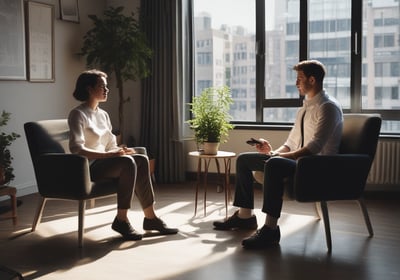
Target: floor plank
{"points": [[198, 251]]}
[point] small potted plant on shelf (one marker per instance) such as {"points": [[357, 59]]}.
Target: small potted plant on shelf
{"points": [[211, 118], [6, 139]]}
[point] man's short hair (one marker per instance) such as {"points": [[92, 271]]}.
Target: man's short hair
{"points": [[312, 68]]}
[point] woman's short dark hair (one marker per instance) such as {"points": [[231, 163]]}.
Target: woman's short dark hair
{"points": [[88, 78], [312, 68]]}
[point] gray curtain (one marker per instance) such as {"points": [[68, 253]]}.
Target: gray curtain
{"points": [[161, 117]]}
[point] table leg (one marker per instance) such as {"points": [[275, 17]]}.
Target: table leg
{"points": [[197, 185], [227, 188], [14, 208], [220, 184], [206, 166], [12, 193]]}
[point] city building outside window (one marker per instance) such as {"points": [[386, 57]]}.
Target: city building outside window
{"points": [[258, 66]]}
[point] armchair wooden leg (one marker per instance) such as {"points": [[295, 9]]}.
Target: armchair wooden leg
{"points": [[81, 217], [39, 212], [325, 215], [318, 210], [92, 203], [364, 210]]}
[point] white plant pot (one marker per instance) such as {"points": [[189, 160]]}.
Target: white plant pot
{"points": [[211, 148]]}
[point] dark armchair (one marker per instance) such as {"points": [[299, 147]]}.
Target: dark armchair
{"points": [[339, 177], [59, 174]]}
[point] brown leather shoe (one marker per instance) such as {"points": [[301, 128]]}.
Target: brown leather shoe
{"points": [[126, 230], [158, 225], [234, 222]]}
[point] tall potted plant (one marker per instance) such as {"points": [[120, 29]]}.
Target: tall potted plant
{"points": [[6, 139], [117, 45], [211, 118]]}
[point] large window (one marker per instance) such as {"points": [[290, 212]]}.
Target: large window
{"points": [[381, 57], [252, 45], [229, 28]]}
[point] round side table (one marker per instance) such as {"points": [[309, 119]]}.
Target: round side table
{"points": [[206, 159]]}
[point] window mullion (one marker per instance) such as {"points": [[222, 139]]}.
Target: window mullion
{"points": [[356, 57], [260, 59], [303, 32]]}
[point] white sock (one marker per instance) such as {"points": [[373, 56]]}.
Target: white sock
{"points": [[271, 222], [245, 213]]}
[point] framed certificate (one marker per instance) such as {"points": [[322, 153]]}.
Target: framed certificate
{"points": [[40, 42], [12, 43]]}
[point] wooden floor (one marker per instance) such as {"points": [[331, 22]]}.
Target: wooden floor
{"points": [[199, 252]]}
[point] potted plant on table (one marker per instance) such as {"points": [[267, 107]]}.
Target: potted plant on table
{"points": [[211, 118], [117, 44], [6, 139]]}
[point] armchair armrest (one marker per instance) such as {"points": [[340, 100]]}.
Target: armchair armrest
{"points": [[334, 177], [63, 176]]}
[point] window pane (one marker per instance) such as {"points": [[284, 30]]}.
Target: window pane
{"points": [[332, 45], [281, 54], [280, 115], [382, 55], [225, 51], [282, 49], [390, 126]]}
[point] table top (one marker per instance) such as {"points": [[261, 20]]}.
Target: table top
{"points": [[220, 154]]}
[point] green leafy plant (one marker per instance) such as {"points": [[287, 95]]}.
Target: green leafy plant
{"points": [[117, 45], [211, 118], [6, 140]]}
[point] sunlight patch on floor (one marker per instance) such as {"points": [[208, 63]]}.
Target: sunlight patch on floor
{"points": [[290, 223], [196, 245]]}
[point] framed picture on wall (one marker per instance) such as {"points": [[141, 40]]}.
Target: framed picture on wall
{"points": [[40, 35], [69, 10], [12, 42]]}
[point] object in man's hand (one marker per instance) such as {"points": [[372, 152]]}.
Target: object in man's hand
{"points": [[253, 142]]}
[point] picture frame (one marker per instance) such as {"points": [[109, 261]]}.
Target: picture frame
{"points": [[40, 35], [69, 10], [12, 43]]}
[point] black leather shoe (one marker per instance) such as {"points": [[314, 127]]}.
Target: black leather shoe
{"points": [[263, 238], [126, 230], [234, 222], [158, 225]]}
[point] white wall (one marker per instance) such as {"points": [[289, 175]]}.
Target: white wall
{"points": [[28, 101]]}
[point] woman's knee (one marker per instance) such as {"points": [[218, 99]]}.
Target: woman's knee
{"points": [[127, 163], [141, 161]]}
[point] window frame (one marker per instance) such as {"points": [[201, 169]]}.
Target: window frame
{"points": [[355, 68]]}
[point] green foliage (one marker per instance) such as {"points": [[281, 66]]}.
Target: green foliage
{"points": [[211, 118], [6, 140], [117, 44]]}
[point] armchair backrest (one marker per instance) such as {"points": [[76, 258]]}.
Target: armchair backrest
{"points": [[343, 176], [360, 134], [47, 136]]}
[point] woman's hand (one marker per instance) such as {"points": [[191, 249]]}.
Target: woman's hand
{"points": [[120, 152], [128, 151]]}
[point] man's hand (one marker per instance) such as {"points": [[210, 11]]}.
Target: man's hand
{"points": [[265, 147]]}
